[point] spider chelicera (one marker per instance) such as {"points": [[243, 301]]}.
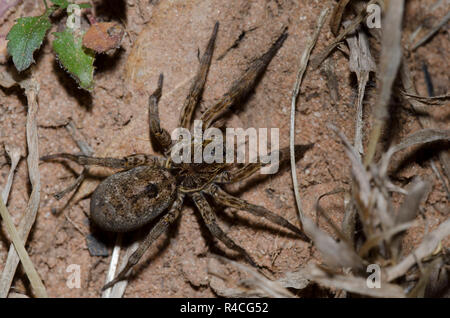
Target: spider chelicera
{"points": [[151, 187]]}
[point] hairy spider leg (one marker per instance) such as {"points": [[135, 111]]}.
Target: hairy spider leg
{"points": [[196, 89], [160, 135], [154, 233], [124, 163], [222, 197], [244, 84], [210, 220]]}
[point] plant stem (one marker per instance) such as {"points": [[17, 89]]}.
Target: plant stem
{"points": [[33, 276]]}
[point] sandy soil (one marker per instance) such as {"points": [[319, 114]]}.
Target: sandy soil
{"points": [[164, 36]]}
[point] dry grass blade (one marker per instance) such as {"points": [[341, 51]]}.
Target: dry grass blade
{"points": [[432, 101], [84, 146], [301, 71], [113, 265], [14, 155], [349, 221], [31, 90], [361, 63], [416, 194], [336, 17], [408, 211], [376, 239], [119, 288], [426, 122], [33, 276], [257, 281], [433, 31], [357, 285], [321, 212], [335, 254], [441, 177], [296, 280], [391, 55], [420, 137], [320, 57], [425, 249], [419, 290], [358, 169]]}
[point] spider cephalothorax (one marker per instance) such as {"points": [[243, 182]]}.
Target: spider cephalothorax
{"points": [[151, 187]]}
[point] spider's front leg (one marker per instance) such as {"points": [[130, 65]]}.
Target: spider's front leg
{"points": [[196, 89], [209, 217], [123, 163], [244, 84], [154, 233], [161, 136], [228, 200], [236, 175]]}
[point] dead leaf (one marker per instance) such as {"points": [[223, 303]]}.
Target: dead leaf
{"points": [[103, 36], [335, 254], [336, 17], [357, 285]]}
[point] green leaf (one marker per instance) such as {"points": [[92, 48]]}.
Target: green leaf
{"points": [[61, 3], [74, 59], [84, 5], [25, 37]]}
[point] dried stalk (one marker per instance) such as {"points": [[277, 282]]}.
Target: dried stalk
{"points": [[432, 32], [426, 122], [119, 288], [391, 56], [36, 282], [14, 155], [320, 57], [425, 249], [361, 63], [352, 284], [260, 283], [31, 90], [301, 71], [113, 265]]}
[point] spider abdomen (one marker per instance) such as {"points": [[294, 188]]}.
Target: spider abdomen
{"points": [[130, 199]]}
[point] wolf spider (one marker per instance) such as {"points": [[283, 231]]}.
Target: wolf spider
{"points": [[153, 186]]}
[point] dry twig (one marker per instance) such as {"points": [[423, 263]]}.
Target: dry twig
{"points": [[301, 71], [31, 88]]}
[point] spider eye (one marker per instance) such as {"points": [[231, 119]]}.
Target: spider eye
{"points": [[151, 190]]}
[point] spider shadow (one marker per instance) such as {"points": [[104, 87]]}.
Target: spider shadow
{"points": [[104, 62], [421, 155], [16, 89], [112, 10], [83, 97]]}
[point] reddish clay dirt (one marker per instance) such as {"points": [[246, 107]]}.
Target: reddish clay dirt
{"points": [[164, 36]]}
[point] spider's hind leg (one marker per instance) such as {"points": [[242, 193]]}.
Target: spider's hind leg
{"points": [[228, 200], [209, 217], [154, 233]]}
